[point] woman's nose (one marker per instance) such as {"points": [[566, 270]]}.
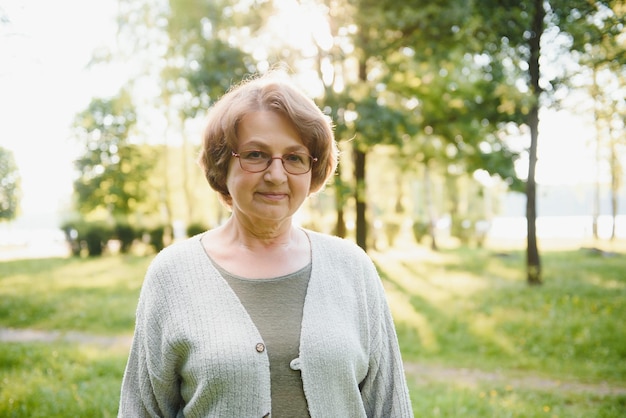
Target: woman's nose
{"points": [[276, 171]]}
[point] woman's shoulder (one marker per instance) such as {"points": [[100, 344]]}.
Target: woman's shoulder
{"points": [[177, 253], [327, 239], [343, 262], [334, 245]]}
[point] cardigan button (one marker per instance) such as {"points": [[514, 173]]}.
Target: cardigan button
{"points": [[260, 347], [295, 364]]}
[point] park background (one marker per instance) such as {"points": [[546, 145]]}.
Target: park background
{"points": [[442, 124]]}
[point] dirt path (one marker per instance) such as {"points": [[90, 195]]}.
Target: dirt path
{"points": [[421, 373], [424, 374], [31, 335]]}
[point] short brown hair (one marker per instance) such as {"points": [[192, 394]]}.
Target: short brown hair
{"points": [[271, 92]]}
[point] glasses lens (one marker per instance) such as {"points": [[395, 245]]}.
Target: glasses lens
{"points": [[254, 161], [257, 161], [297, 163]]}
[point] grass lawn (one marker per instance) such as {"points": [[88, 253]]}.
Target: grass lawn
{"points": [[96, 295], [472, 309], [59, 380], [460, 309]]}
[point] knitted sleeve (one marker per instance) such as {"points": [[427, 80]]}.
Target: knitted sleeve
{"points": [[150, 387], [384, 390]]}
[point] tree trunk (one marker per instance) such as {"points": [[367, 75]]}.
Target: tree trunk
{"points": [[340, 226], [616, 174], [359, 197], [359, 175], [430, 208], [596, 119], [340, 201], [186, 179], [533, 263], [164, 193]]}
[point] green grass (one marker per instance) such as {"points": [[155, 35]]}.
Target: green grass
{"points": [[473, 308], [481, 401], [97, 295], [461, 308], [59, 380], [469, 308]]}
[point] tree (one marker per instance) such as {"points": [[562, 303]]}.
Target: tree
{"points": [[201, 66], [441, 81], [203, 47], [112, 170], [533, 261], [514, 30], [191, 50], [418, 83], [602, 57], [9, 186]]}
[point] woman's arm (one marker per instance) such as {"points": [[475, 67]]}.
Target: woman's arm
{"points": [[384, 390], [150, 387]]}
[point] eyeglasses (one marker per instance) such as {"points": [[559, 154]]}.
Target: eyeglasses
{"points": [[256, 161]]}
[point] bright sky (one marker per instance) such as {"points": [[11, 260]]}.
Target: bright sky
{"points": [[45, 48], [44, 82]]}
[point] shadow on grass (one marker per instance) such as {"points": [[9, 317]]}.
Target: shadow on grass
{"points": [[472, 308]]}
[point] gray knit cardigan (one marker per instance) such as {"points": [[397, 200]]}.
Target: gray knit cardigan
{"points": [[197, 353]]}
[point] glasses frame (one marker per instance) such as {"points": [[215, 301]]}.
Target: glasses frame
{"points": [[269, 162]]}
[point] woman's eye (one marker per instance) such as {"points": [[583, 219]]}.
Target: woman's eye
{"points": [[294, 158], [254, 155]]}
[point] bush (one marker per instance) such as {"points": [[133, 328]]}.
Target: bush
{"points": [[420, 231], [196, 228], [72, 237], [92, 236], [96, 237], [463, 229], [156, 237], [392, 229], [126, 234]]}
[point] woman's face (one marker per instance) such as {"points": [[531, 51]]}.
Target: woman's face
{"points": [[271, 196]]}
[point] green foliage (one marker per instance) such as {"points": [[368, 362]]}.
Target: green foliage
{"points": [[91, 236], [196, 228], [420, 231], [112, 170], [219, 66], [604, 30], [445, 82], [96, 237], [126, 234], [391, 25], [210, 62], [157, 237], [9, 186]]}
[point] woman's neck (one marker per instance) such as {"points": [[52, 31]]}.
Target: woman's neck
{"points": [[248, 255]]}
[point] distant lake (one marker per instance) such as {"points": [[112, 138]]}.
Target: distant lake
{"points": [[575, 227]]}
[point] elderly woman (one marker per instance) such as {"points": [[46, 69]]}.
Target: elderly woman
{"points": [[260, 316]]}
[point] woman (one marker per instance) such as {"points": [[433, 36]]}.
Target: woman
{"points": [[259, 316]]}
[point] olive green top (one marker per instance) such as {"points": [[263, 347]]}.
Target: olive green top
{"points": [[275, 306]]}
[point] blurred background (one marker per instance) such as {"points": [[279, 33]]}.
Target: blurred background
{"points": [[438, 107], [482, 142]]}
